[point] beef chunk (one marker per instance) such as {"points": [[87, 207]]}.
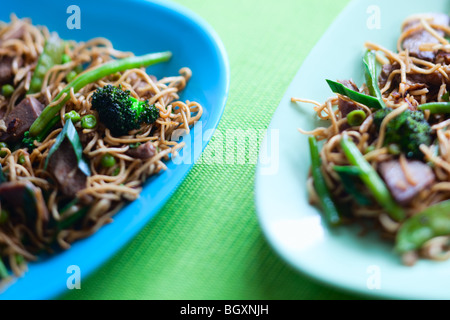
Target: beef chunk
{"points": [[6, 70], [20, 119], [23, 195], [144, 151], [63, 165], [418, 38], [402, 190], [345, 106]]}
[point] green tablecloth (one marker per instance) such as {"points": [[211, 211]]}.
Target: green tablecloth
{"points": [[206, 242]]}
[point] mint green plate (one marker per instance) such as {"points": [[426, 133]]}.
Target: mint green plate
{"points": [[367, 265]]}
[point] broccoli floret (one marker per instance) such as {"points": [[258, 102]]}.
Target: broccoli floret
{"points": [[408, 130], [120, 112]]}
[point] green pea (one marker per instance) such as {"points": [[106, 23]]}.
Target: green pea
{"points": [[7, 90], [370, 149], [356, 117], [116, 172], [65, 58], [21, 159], [3, 153], [71, 75], [20, 259], [78, 68], [4, 215], [88, 121], [394, 149], [134, 145], [72, 115], [108, 160]]}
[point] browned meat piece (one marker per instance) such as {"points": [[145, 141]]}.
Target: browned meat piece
{"points": [[144, 151], [442, 57], [402, 190], [16, 195], [418, 38], [21, 118], [64, 168], [386, 71], [6, 70], [431, 80], [345, 106]]}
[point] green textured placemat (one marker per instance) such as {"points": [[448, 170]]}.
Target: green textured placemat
{"points": [[206, 242]]}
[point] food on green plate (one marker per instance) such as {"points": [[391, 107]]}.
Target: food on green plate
{"points": [[82, 126], [384, 161]]}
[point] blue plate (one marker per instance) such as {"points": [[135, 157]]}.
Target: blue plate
{"points": [[140, 27]]}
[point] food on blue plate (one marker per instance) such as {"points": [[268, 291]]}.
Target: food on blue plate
{"points": [[82, 126], [384, 162]]}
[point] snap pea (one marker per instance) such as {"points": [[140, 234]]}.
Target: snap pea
{"points": [[330, 210], [71, 134], [356, 96], [93, 75], [371, 179], [50, 56], [371, 75], [431, 222]]}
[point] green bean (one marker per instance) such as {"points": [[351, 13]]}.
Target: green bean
{"points": [[91, 76], [7, 90], [432, 222], [330, 210], [435, 107], [356, 117], [50, 56], [371, 179], [89, 121]]}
